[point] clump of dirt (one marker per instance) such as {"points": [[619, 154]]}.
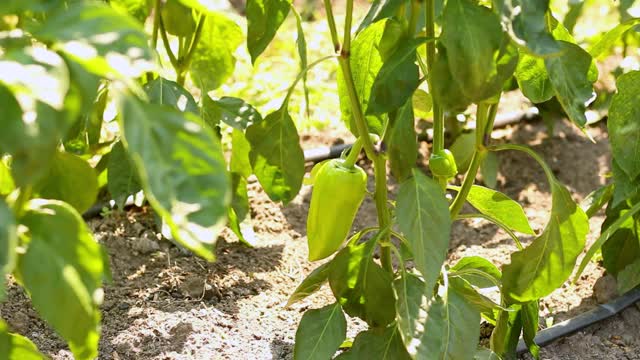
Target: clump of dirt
{"points": [[165, 304]]}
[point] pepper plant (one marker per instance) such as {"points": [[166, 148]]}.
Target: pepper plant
{"points": [[85, 109], [466, 52]]}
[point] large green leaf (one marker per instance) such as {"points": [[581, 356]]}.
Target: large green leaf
{"points": [[423, 217], [479, 53], [8, 242], [440, 328], [570, 76], [403, 143], [312, 283], [139, 9], [213, 61], [105, 41], [122, 177], [62, 271], [169, 93], [477, 270], [30, 140], [365, 61], [379, 345], [499, 206], [504, 337], [533, 79], [397, 79], [629, 277], [240, 149], [527, 24], [549, 260], [622, 247], [264, 18], [17, 347], [446, 90], [70, 179], [487, 307], [530, 325], [610, 38], [183, 173], [320, 333], [361, 286], [597, 199], [276, 156], [234, 112], [623, 124]]}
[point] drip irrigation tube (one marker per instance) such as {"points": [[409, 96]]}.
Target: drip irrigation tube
{"points": [[502, 120], [567, 327]]}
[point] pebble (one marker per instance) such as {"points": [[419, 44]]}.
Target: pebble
{"points": [[604, 290]]}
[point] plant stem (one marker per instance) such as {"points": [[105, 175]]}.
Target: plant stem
{"points": [[332, 25], [186, 61], [415, 14], [23, 197], [495, 221], [530, 152], [156, 24], [346, 43], [482, 120], [351, 159], [167, 46]]}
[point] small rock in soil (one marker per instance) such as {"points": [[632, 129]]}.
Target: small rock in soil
{"points": [[144, 245], [604, 290]]}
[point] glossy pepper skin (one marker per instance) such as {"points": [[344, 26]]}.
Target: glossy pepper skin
{"points": [[443, 164], [338, 192]]}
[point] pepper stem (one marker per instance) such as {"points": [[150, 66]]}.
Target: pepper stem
{"points": [[351, 159]]}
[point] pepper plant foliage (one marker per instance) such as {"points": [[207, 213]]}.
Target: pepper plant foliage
{"points": [[72, 69]]}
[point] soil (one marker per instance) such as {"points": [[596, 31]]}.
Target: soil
{"points": [[164, 303]]}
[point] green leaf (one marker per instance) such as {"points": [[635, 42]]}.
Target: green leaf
{"points": [[6, 180], [446, 90], [380, 9], [232, 111], [320, 333], [169, 93], [463, 149], [526, 24], [533, 79], [499, 206], [610, 38], [361, 286], [625, 186], [483, 304], [403, 143], [139, 9], [504, 337], [122, 176], [489, 169], [479, 53], [623, 124], [213, 61], [629, 277], [598, 198], [182, 170], [440, 328], [397, 79], [365, 61], [70, 179], [570, 76], [549, 260], [8, 243], [379, 345], [103, 40], [312, 283], [622, 247], [62, 271], [477, 270], [17, 347], [240, 149], [530, 327], [276, 156], [178, 19], [264, 18], [422, 103], [423, 217]]}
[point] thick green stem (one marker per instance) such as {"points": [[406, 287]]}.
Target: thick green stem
{"points": [[156, 24], [485, 115], [167, 46]]}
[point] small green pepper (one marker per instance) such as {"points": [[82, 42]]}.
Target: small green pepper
{"points": [[338, 192], [443, 164]]}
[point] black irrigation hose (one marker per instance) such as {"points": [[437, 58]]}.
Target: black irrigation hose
{"points": [[583, 320], [502, 120]]}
